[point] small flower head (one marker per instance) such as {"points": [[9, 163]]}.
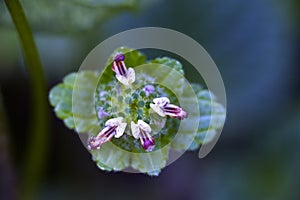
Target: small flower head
{"points": [[102, 114], [113, 128], [163, 107], [149, 89], [124, 75], [141, 131], [103, 95]]}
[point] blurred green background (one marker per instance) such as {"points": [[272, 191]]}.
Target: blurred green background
{"points": [[255, 44]]}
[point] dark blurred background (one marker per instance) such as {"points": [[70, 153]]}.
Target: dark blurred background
{"points": [[255, 44]]}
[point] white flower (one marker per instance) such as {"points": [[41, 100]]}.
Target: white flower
{"points": [[124, 75], [141, 131], [163, 107], [113, 128]]}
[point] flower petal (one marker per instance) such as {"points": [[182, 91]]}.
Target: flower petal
{"points": [[119, 57], [135, 130], [157, 109], [104, 136], [175, 111], [131, 75], [172, 106], [162, 101], [144, 126], [120, 130], [183, 114], [103, 131], [148, 144], [122, 79], [114, 121]]}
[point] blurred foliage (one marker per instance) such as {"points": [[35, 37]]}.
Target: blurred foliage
{"points": [[295, 6], [270, 168], [250, 42], [71, 16]]}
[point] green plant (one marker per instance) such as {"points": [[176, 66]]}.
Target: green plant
{"points": [[113, 111]]}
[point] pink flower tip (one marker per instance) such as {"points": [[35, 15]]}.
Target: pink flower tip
{"points": [[148, 145], [119, 57]]}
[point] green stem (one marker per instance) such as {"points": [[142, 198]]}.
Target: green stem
{"points": [[35, 154]]}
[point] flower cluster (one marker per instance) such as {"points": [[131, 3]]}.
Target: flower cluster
{"points": [[123, 112], [140, 129]]}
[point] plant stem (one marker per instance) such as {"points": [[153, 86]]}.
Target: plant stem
{"points": [[35, 154]]}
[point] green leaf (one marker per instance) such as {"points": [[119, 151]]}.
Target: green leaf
{"points": [[152, 162], [169, 74], [69, 122], [175, 64], [83, 114], [212, 116], [110, 157]]}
